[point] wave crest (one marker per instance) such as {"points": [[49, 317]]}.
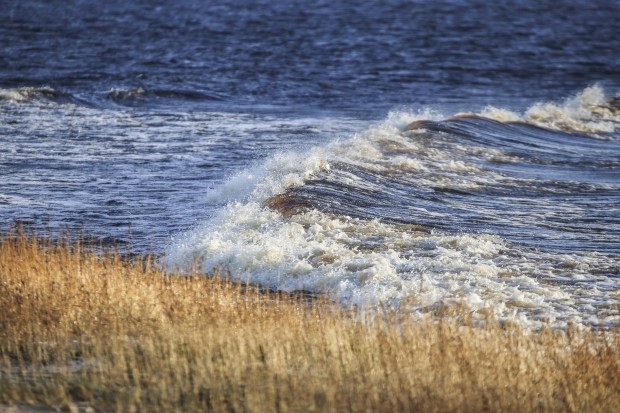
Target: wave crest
{"points": [[29, 94], [590, 112]]}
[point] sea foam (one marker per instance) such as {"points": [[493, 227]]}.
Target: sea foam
{"points": [[589, 111]]}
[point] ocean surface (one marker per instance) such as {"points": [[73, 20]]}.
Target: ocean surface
{"points": [[402, 154]]}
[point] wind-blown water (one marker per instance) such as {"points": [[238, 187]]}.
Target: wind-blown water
{"points": [[402, 154]]}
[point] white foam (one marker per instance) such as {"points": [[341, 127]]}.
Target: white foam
{"points": [[282, 171], [26, 94], [586, 112], [312, 251], [364, 263]]}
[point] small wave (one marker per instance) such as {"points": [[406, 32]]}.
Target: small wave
{"points": [[128, 96], [187, 95], [140, 96], [29, 94], [588, 112]]}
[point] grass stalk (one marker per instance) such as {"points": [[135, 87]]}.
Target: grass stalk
{"points": [[81, 327]]}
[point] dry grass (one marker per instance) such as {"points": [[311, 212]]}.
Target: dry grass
{"points": [[85, 329]]}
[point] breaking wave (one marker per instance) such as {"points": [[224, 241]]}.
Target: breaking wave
{"points": [[517, 214]]}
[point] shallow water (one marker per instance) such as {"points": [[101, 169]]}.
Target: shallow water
{"points": [[402, 153]]}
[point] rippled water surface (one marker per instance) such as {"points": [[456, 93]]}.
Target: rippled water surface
{"points": [[409, 153]]}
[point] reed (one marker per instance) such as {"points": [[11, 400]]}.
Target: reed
{"points": [[80, 328]]}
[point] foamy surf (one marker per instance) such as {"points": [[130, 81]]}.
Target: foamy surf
{"points": [[29, 94], [392, 217], [591, 112]]}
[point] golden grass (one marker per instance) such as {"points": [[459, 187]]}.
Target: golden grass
{"points": [[85, 329]]}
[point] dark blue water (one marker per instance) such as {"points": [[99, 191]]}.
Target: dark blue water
{"points": [[399, 151], [359, 56]]}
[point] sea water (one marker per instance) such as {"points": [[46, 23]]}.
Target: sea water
{"points": [[407, 154]]}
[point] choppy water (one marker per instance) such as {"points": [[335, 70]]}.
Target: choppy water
{"points": [[403, 153]]}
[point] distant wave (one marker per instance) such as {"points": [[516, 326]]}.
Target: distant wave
{"points": [[138, 96], [29, 94], [43, 96], [124, 97], [127, 96]]}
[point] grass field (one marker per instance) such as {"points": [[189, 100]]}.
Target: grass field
{"points": [[84, 331]]}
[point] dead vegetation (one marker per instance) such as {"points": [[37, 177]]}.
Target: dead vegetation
{"points": [[79, 328]]}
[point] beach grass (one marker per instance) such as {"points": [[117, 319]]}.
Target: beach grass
{"points": [[83, 329]]}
